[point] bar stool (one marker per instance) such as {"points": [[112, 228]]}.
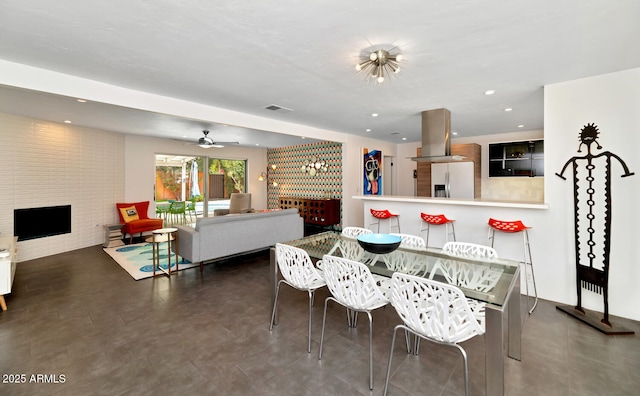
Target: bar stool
{"points": [[379, 215], [512, 227], [428, 220], [159, 236]]}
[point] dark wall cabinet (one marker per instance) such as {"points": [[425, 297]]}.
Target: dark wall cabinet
{"points": [[516, 159], [316, 211]]}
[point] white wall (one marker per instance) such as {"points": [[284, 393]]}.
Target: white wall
{"points": [[352, 209], [610, 101], [50, 164], [139, 155]]}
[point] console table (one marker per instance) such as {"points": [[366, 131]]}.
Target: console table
{"points": [[316, 211]]}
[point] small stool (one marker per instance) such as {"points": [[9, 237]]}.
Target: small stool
{"points": [[428, 220], [379, 215], [159, 236], [517, 226]]}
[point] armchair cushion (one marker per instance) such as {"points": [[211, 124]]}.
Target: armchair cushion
{"points": [[129, 213]]}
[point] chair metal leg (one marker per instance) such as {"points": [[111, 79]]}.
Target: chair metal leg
{"points": [[465, 367], [275, 305], [370, 351], [311, 293], [324, 321], [393, 343], [529, 264]]}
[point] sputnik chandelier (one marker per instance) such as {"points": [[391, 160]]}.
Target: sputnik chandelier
{"points": [[381, 63]]}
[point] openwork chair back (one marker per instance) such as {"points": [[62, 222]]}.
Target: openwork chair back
{"points": [[433, 309], [411, 241], [351, 283], [466, 249], [296, 267], [353, 232], [406, 262]]}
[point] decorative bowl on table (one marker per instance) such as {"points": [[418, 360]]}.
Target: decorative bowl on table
{"points": [[379, 243]]}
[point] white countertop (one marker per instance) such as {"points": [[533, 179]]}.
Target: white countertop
{"points": [[450, 201]]}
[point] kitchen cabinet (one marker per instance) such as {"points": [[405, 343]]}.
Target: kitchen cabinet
{"points": [[524, 158], [471, 152]]}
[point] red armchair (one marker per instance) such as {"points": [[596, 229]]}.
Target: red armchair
{"points": [[138, 222]]}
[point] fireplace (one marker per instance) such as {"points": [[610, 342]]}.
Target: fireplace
{"points": [[42, 222]]}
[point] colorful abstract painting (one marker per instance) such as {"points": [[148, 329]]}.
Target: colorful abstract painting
{"points": [[372, 172]]}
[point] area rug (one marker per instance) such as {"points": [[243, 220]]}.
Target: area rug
{"points": [[137, 259]]}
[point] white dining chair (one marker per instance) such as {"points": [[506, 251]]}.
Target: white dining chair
{"points": [[467, 249], [411, 241], [350, 248], [435, 311], [297, 271], [352, 286]]}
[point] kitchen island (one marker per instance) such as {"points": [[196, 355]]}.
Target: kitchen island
{"points": [[470, 215]]}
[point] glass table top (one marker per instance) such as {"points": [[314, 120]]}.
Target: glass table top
{"points": [[486, 280]]}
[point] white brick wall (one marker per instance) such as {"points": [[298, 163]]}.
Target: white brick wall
{"points": [[47, 164]]}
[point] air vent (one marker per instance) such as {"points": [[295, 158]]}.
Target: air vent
{"points": [[273, 107]]}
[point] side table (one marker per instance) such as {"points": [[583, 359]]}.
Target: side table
{"points": [[159, 236], [112, 235]]}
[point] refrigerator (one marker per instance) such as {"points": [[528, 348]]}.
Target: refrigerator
{"points": [[452, 179]]}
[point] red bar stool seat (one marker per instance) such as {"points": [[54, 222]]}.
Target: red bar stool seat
{"points": [[514, 227], [379, 215], [428, 220]]}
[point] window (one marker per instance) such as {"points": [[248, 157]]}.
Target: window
{"points": [[182, 178]]}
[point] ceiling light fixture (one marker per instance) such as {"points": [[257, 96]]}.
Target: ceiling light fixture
{"points": [[489, 92], [381, 63]]}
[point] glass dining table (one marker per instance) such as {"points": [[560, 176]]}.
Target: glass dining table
{"points": [[495, 282]]}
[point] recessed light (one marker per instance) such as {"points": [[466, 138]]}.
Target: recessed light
{"points": [[81, 100], [67, 121], [374, 114], [404, 138], [520, 126], [368, 130], [508, 109], [489, 92], [454, 133]]}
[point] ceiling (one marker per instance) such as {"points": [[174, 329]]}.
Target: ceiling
{"points": [[246, 55]]}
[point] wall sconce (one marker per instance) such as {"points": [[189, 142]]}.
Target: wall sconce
{"points": [[313, 166], [265, 176]]}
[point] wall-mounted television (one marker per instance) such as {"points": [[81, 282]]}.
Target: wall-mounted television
{"points": [[41, 222]]}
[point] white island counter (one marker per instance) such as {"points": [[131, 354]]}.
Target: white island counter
{"points": [[470, 215]]}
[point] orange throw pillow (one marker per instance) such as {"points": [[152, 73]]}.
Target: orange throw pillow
{"points": [[129, 214]]}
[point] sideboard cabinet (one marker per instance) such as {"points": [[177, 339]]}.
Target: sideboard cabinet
{"points": [[316, 211]]}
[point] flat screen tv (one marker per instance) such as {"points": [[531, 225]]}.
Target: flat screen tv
{"points": [[42, 222]]}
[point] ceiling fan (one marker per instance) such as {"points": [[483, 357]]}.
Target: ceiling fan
{"points": [[207, 142]]}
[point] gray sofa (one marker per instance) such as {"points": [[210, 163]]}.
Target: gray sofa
{"points": [[221, 236]]}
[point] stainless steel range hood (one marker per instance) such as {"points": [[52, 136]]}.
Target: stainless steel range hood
{"points": [[436, 137]]}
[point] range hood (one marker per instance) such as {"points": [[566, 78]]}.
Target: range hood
{"points": [[436, 137]]}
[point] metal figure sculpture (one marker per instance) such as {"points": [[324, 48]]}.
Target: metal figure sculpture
{"points": [[592, 250]]}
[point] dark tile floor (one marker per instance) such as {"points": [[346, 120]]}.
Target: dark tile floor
{"points": [[79, 315]]}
